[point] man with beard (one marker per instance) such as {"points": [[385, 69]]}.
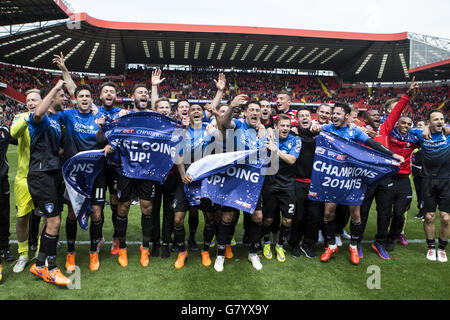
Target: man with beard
{"points": [[278, 190], [108, 96], [45, 180], [129, 187], [165, 190], [196, 140], [308, 213], [383, 190], [339, 126], [436, 183], [80, 135], [182, 114], [266, 113], [246, 137]]}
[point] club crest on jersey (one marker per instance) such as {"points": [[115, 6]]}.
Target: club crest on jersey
{"points": [[49, 207]]}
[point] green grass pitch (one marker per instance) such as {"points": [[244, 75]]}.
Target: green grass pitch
{"points": [[408, 275]]}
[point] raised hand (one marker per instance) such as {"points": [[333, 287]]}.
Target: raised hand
{"points": [[238, 100], [59, 61], [413, 90], [221, 82], [59, 84], [156, 77]]}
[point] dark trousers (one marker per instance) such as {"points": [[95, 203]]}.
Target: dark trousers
{"points": [[417, 179], [165, 194], [4, 213], [307, 218], [382, 192], [401, 200]]}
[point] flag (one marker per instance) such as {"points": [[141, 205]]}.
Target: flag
{"points": [[228, 179], [342, 170], [79, 174], [146, 145]]}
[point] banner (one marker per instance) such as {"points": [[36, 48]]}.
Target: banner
{"points": [[145, 143], [79, 174], [342, 170], [227, 179]]}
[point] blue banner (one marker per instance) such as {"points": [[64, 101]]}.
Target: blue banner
{"points": [[227, 179], [342, 170], [79, 174], [145, 143]]}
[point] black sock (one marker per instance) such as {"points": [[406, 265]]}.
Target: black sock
{"points": [[231, 232], [33, 228], [122, 223], [442, 244], [95, 231], [42, 254], [329, 228], [179, 233], [265, 232], [50, 247], [208, 234], [223, 230], [284, 231], [247, 221], [193, 224], [431, 243], [255, 230], [355, 232], [147, 228], [102, 216], [71, 234], [114, 219]]}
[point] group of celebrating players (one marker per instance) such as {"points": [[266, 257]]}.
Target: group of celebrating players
{"points": [[50, 134]]}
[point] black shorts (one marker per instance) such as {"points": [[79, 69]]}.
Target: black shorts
{"points": [[111, 177], [181, 202], [276, 199], [46, 189], [98, 193], [436, 193], [128, 188]]}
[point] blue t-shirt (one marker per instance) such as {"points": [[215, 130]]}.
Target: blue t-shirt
{"points": [[436, 154], [81, 129], [194, 143], [285, 176], [45, 143], [354, 134], [246, 137], [113, 112]]}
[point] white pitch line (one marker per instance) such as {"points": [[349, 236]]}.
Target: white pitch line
{"points": [[200, 242]]}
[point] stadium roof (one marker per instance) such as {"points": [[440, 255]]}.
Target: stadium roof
{"points": [[28, 11], [100, 46]]}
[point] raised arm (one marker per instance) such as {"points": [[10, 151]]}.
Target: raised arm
{"points": [[396, 113], [227, 117], [69, 83], [288, 158], [19, 125], [42, 108], [156, 81]]}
